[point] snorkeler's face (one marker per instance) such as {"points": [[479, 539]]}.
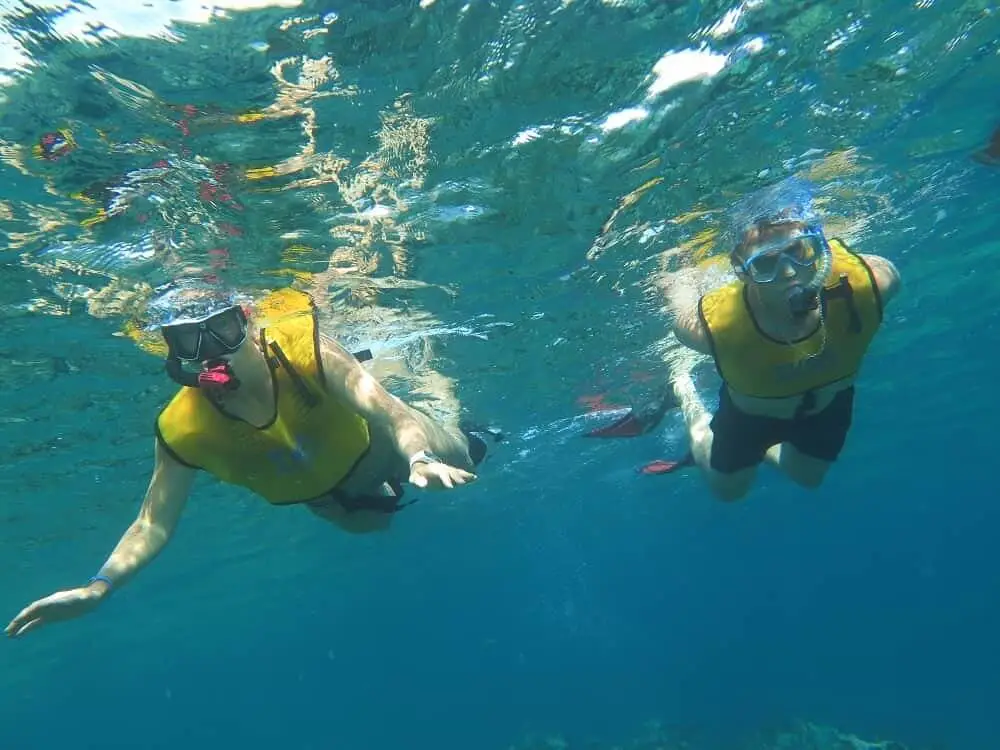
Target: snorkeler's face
{"points": [[776, 258]]}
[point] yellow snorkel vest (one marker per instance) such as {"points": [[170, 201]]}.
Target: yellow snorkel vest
{"points": [[314, 440], [753, 364]]}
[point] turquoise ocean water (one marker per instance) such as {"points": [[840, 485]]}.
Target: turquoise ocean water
{"points": [[487, 194]]}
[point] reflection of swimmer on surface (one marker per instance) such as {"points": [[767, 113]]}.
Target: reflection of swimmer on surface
{"points": [[362, 217], [370, 235], [281, 409], [787, 336], [399, 351], [990, 155]]}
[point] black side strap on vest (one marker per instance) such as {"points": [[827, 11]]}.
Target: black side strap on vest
{"points": [[303, 389], [844, 291]]}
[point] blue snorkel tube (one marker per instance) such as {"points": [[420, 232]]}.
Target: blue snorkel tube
{"points": [[803, 299]]}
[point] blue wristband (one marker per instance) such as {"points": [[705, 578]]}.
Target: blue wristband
{"points": [[100, 577]]}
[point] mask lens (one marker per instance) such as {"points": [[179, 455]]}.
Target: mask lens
{"points": [[764, 264], [183, 340], [764, 267], [229, 327], [803, 251]]}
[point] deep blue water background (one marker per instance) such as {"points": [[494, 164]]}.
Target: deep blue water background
{"points": [[563, 594], [572, 600]]}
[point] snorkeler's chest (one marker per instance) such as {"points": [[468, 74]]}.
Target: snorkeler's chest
{"points": [[299, 433], [796, 365], [821, 350], [768, 369]]}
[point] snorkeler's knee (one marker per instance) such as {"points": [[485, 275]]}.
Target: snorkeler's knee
{"points": [[810, 479], [730, 487], [807, 472]]}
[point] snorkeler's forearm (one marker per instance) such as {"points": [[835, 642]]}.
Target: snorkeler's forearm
{"points": [[137, 547], [393, 417], [382, 410], [149, 533]]}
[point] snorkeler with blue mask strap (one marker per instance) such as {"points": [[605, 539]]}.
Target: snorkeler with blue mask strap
{"points": [[788, 337]]}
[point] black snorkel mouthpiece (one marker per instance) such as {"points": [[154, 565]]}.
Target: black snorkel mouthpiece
{"points": [[179, 375], [215, 375], [802, 301]]}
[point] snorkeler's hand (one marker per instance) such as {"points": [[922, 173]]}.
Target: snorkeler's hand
{"points": [[438, 476], [63, 605]]}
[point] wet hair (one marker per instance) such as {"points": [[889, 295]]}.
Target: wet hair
{"points": [[787, 202], [187, 301]]}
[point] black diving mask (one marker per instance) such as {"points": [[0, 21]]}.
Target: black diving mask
{"points": [[212, 337]]}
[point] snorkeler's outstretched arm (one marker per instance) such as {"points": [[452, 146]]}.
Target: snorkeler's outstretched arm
{"points": [[166, 498], [414, 433], [161, 510]]}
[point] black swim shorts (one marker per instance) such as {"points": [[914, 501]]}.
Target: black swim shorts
{"points": [[376, 503], [740, 440]]}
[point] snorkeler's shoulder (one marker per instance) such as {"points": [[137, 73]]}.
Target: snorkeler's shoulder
{"points": [[690, 330], [886, 276]]}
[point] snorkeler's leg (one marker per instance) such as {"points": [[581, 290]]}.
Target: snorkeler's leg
{"points": [[801, 468], [815, 442], [355, 522], [725, 486]]}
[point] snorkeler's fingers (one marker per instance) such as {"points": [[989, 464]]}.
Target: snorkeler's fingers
{"points": [[26, 620], [439, 476], [433, 476], [62, 605], [18, 622], [460, 476], [31, 625], [455, 477]]}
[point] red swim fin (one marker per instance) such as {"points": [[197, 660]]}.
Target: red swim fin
{"points": [[628, 426], [667, 467], [638, 421]]}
